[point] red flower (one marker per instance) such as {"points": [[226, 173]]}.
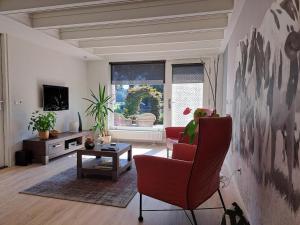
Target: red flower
{"points": [[187, 111]]}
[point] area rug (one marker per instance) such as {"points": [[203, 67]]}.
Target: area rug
{"points": [[95, 190]]}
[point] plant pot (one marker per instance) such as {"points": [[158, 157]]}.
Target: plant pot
{"points": [[106, 139], [53, 134], [44, 135], [89, 143]]}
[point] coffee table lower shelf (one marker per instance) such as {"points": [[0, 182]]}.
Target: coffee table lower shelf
{"points": [[96, 167]]}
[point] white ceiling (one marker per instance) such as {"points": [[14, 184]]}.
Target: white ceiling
{"points": [[128, 29]]}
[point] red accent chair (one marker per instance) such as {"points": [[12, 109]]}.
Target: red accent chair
{"points": [[192, 176], [174, 135]]}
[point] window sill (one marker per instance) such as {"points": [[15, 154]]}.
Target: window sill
{"points": [[135, 128]]}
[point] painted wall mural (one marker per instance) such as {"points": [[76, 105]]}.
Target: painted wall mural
{"points": [[267, 101]]}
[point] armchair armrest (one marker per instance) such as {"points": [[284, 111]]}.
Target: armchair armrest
{"points": [[184, 152], [186, 139], [162, 178], [174, 132]]}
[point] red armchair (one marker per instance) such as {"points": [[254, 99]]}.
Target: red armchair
{"points": [[174, 135], [192, 175]]}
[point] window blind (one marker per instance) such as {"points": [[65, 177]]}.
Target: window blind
{"points": [[138, 73], [187, 73]]}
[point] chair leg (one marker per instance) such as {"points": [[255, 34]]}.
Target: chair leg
{"points": [[194, 217], [167, 153], [141, 205], [223, 204]]}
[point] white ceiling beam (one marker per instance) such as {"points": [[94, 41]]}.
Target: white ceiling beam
{"points": [[196, 23], [129, 12], [187, 54], [153, 39], [28, 6], [166, 47]]}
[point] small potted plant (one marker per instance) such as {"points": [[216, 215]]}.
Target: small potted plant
{"points": [[99, 109], [43, 123]]}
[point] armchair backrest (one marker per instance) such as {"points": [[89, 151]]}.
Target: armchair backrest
{"points": [[213, 143]]}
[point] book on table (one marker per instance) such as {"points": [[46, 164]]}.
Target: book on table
{"points": [[109, 147]]}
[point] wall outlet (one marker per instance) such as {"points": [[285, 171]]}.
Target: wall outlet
{"points": [[18, 102]]}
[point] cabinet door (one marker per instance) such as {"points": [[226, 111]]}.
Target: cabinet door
{"points": [[55, 149]]}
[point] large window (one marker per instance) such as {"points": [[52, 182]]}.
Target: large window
{"points": [[138, 90], [187, 91]]}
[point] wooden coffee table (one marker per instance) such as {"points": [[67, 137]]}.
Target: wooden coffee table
{"points": [[99, 166]]}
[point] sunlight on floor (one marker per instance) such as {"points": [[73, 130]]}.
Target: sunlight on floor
{"points": [[138, 149]]}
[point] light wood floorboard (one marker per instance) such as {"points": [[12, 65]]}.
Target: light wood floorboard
{"points": [[21, 209]]}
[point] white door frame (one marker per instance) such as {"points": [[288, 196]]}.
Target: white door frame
{"points": [[6, 98]]}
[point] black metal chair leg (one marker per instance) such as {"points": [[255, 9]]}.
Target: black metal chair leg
{"points": [[194, 218], [141, 209], [223, 204]]}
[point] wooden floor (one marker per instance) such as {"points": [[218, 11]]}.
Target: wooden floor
{"points": [[20, 209]]}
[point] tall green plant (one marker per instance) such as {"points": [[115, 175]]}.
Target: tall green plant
{"points": [[99, 108]]}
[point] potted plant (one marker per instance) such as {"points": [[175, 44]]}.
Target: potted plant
{"points": [[43, 123], [191, 128], [99, 109]]}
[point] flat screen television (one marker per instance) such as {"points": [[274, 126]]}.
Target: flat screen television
{"points": [[55, 98]]}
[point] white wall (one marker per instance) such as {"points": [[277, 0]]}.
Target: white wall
{"points": [[251, 15], [263, 203], [29, 67], [97, 72]]}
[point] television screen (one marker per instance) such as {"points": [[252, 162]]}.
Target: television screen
{"points": [[56, 98]]}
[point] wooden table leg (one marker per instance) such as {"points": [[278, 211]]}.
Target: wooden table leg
{"points": [[129, 157], [79, 165], [115, 171]]}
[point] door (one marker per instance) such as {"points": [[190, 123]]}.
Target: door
{"points": [[2, 152], [187, 91]]}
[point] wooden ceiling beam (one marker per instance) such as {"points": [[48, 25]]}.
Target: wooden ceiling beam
{"points": [[190, 24], [166, 47], [153, 39], [128, 12], [29, 6], [170, 55]]}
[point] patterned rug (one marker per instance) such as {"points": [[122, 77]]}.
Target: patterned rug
{"points": [[95, 190]]}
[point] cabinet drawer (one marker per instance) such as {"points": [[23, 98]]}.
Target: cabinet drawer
{"points": [[56, 148]]}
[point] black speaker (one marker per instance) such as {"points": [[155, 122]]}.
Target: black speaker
{"points": [[23, 158]]}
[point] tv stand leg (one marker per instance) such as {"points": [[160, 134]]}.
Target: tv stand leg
{"points": [[44, 160]]}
